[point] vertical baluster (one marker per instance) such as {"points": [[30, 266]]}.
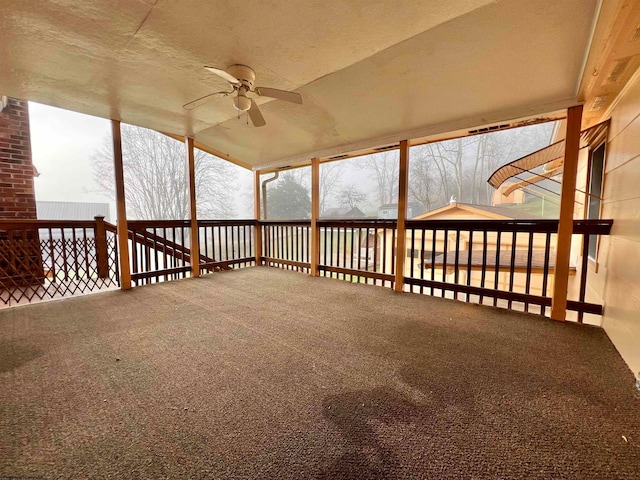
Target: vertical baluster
{"points": [[281, 256], [545, 268], [287, 253], [469, 259], [412, 250], [375, 253], [383, 261], [497, 270], [527, 287], [147, 251], [456, 274], [393, 254], [172, 251], [176, 261], [434, 234], [444, 259], [226, 243], [366, 258], [583, 273], [343, 244], [233, 243], [306, 240], [274, 241], [244, 242], [512, 267], [483, 273], [359, 250], [206, 242], [325, 241], [183, 234], [422, 259], [164, 252], [331, 249], [156, 253]]}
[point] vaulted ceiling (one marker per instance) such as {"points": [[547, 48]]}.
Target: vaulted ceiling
{"points": [[370, 71]]}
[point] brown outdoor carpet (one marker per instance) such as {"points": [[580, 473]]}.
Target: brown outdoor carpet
{"points": [[261, 373]]}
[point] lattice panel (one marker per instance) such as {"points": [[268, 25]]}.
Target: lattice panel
{"points": [[52, 266]]}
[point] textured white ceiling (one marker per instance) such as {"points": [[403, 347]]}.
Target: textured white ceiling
{"points": [[367, 69]]}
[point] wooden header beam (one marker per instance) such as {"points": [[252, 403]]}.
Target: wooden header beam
{"points": [[121, 208]]}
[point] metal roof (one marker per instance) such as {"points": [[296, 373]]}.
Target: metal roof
{"points": [[71, 210]]}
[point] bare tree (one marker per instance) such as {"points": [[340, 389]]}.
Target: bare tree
{"points": [[330, 174], [156, 182], [424, 184], [384, 170], [351, 197]]}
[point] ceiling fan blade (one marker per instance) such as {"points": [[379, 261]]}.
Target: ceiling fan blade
{"points": [[279, 94], [202, 100], [223, 74], [256, 116]]}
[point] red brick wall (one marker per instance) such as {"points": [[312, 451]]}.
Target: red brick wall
{"points": [[17, 194]]}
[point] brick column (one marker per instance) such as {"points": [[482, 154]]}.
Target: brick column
{"points": [[22, 262], [17, 194]]}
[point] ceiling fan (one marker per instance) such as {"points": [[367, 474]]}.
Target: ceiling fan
{"points": [[242, 80]]}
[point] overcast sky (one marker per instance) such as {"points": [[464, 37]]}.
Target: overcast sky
{"points": [[63, 143]]}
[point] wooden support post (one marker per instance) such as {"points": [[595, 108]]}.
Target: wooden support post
{"points": [[401, 236], [257, 229], [194, 244], [315, 214], [565, 224], [102, 255], [121, 208]]}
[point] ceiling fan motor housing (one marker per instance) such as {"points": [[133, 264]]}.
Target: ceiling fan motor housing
{"points": [[245, 74]]}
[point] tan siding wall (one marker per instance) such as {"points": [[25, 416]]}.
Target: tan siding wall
{"points": [[618, 276]]}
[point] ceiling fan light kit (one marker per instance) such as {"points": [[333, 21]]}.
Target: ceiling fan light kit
{"points": [[242, 79]]}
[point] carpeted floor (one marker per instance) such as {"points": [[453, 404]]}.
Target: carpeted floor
{"points": [[262, 373]]}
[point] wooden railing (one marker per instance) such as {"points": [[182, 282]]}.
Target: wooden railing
{"points": [[287, 244], [358, 250], [42, 259], [226, 244], [506, 263], [160, 249]]}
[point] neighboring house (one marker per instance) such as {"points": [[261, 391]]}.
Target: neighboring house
{"points": [[340, 213], [390, 210]]}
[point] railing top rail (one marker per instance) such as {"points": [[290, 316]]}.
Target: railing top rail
{"points": [[362, 223], [601, 227], [286, 222], [223, 223], [21, 224]]}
